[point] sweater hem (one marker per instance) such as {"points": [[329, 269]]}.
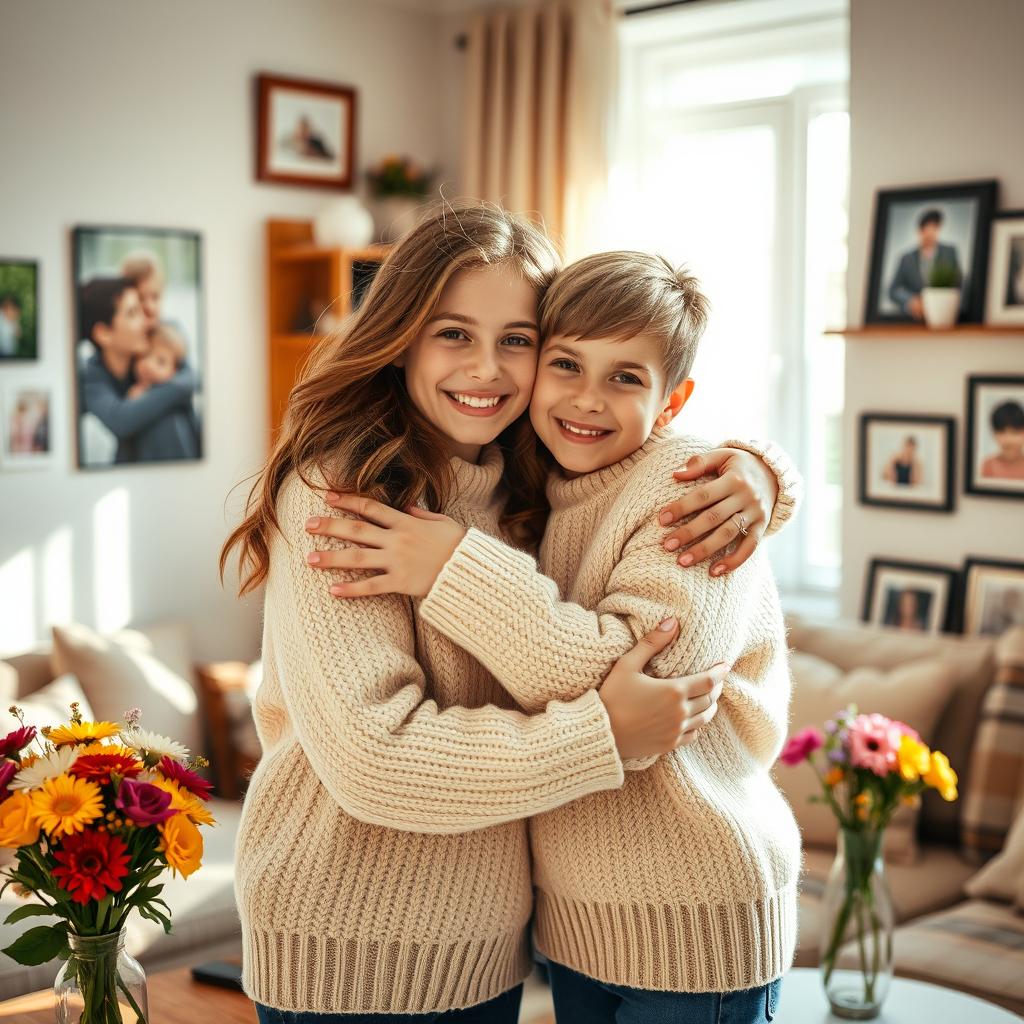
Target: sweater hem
{"points": [[700, 947], [307, 973]]}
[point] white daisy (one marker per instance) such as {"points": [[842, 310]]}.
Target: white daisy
{"points": [[140, 739], [49, 766]]}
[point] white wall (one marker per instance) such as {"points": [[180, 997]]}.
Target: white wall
{"points": [[140, 113], [935, 95]]}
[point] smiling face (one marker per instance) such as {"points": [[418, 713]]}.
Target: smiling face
{"points": [[470, 370], [596, 400]]}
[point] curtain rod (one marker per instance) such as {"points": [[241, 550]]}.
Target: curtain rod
{"points": [[462, 39]]}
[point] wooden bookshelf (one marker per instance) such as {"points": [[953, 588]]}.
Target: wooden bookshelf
{"points": [[301, 274], [920, 331]]}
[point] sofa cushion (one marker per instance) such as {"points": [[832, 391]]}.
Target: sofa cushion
{"points": [[203, 911], [997, 761], [1001, 877], [146, 668], [915, 693], [49, 705], [976, 946], [851, 645]]}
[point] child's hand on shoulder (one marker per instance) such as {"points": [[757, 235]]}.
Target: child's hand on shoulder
{"points": [[407, 550]]}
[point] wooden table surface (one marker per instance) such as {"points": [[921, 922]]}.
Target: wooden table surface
{"points": [[174, 998]]}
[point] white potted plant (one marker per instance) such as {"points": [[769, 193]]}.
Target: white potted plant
{"points": [[400, 188], [940, 298]]}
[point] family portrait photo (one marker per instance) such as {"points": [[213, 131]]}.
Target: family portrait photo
{"points": [[995, 436], [909, 596], [935, 236], [27, 436], [1005, 303], [138, 345], [19, 302], [993, 596], [906, 461], [305, 132]]}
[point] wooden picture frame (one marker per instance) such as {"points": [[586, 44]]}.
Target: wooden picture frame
{"points": [[933, 587], [998, 400], [305, 132], [923, 479], [978, 618], [967, 207]]}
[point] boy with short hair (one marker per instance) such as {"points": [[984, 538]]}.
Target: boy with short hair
{"points": [[678, 892]]}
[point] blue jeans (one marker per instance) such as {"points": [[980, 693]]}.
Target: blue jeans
{"points": [[580, 999], [503, 1009]]}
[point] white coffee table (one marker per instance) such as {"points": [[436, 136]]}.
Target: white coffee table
{"points": [[802, 1001]]}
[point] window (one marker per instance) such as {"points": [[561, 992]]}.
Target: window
{"points": [[731, 156]]}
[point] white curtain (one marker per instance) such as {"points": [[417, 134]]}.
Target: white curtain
{"points": [[540, 86]]}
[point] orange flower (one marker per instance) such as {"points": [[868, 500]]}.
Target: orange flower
{"points": [[18, 826]]}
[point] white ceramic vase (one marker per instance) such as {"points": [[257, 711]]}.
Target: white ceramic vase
{"points": [[395, 215], [941, 306], [343, 224]]}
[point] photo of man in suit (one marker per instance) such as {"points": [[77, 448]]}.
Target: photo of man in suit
{"points": [[915, 265]]}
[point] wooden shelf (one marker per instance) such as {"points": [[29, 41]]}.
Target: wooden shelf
{"points": [[302, 253], [921, 331], [297, 338]]}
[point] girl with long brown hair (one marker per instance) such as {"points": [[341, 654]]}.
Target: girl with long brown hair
{"points": [[382, 864]]}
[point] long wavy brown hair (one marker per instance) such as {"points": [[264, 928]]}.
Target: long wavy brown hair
{"points": [[350, 417]]}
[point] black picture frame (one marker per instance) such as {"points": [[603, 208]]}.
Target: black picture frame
{"points": [[1004, 303], [985, 193], [973, 465], [84, 268], [869, 492], [945, 620], [972, 566], [19, 284]]}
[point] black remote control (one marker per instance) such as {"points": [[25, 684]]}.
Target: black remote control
{"points": [[219, 972]]}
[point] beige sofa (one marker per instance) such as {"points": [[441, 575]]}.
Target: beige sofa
{"points": [[976, 945], [205, 922], [971, 944]]}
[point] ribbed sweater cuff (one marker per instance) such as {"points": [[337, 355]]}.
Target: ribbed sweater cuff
{"points": [[791, 482]]}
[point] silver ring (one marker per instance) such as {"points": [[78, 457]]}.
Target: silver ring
{"points": [[742, 524]]}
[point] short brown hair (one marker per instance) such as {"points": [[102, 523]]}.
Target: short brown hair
{"points": [[623, 294]]}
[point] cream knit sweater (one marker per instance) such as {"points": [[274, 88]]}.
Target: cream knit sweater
{"points": [[685, 878], [382, 860]]}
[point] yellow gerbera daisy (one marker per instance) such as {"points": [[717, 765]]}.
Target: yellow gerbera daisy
{"points": [[78, 732], [66, 804], [182, 800]]}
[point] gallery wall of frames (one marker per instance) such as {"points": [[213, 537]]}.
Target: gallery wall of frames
{"points": [[950, 239]]}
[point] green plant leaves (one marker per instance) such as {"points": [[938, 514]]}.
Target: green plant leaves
{"points": [[39, 945]]}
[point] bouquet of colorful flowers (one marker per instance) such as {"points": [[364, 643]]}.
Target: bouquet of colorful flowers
{"points": [[96, 811], [873, 765], [399, 176]]}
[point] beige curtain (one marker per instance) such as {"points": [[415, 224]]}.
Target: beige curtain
{"points": [[539, 92]]}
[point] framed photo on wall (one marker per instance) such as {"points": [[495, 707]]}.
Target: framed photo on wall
{"points": [[305, 132], [906, 461], [138, 345], [919, 230], [19, 309], [911, 596], [26, 439], [995, 436], [1005, 303], [993, 596]]}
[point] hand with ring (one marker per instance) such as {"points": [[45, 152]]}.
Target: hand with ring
{"points": [[736, 505]]}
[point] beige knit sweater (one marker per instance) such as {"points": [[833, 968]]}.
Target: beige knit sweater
{"points": [[685, 878], [382, 860]]}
